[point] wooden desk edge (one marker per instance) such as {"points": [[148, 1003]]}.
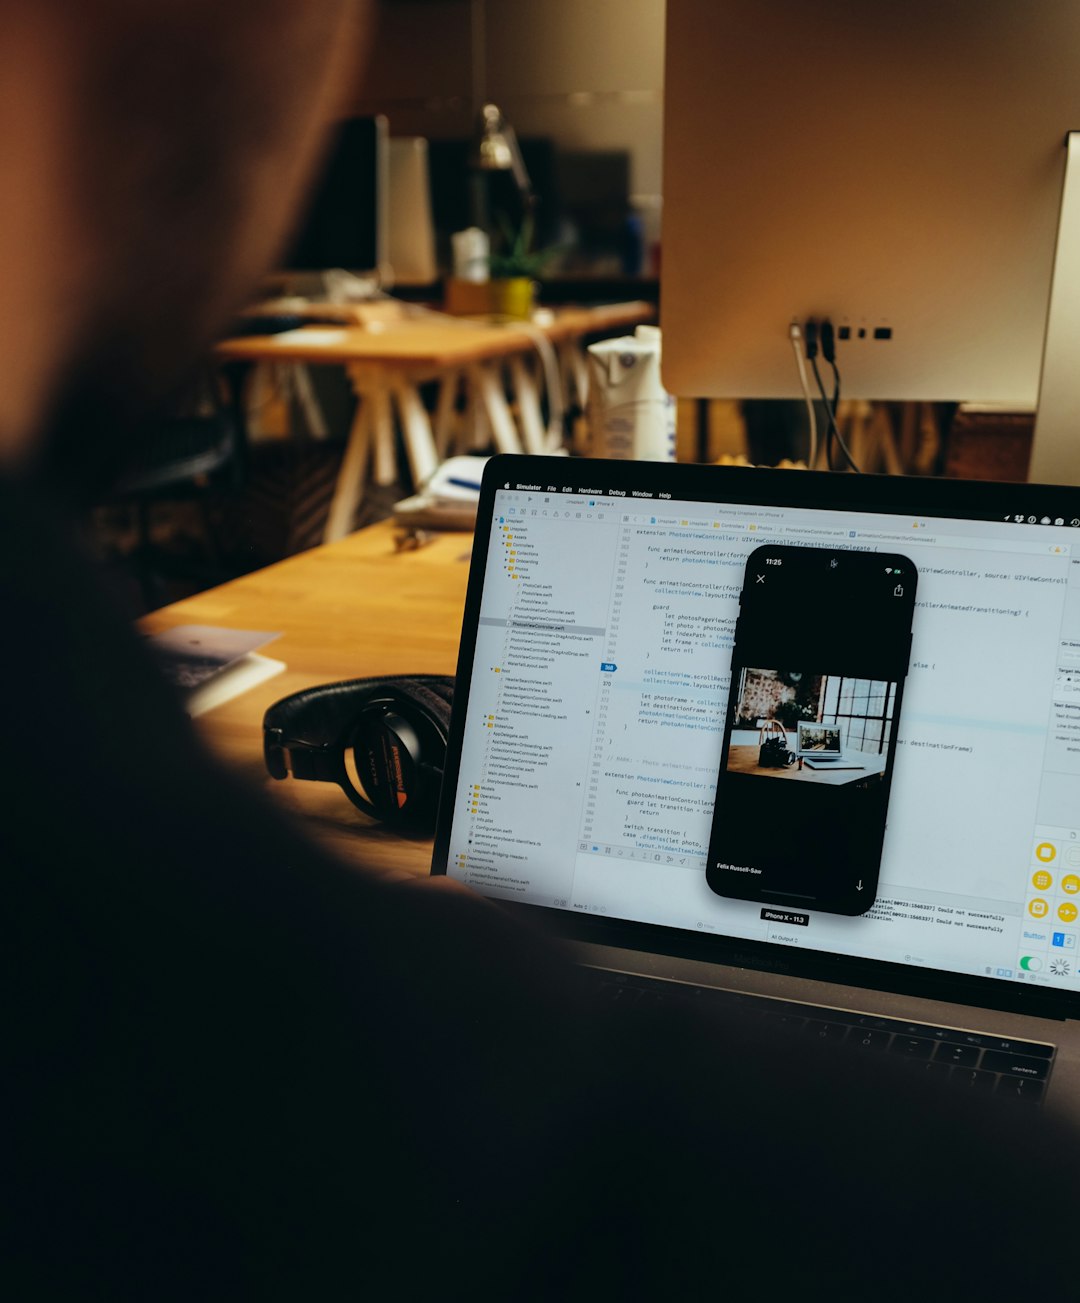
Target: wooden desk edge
{"points": [[463, 339]]}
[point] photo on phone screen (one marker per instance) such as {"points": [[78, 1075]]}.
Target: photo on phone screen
{"points": [[818, 667]]}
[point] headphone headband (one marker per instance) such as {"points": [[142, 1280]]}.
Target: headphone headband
{"points": [[396, 726]]}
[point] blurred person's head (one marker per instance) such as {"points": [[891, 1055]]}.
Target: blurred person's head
{"points": [[151, 155]]}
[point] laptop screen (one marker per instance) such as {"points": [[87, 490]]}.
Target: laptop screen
{"points": [[822, 738], [596, 685]]}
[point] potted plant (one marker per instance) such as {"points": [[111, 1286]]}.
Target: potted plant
{"points": [[514, 267]]}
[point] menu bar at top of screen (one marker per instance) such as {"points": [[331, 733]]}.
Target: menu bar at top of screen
{"points": [[832, 528], [1021, 512]]}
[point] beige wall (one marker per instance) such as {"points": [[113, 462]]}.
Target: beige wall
{"points": [[588, 73]]}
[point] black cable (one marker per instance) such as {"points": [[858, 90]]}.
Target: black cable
{"points": [[830, 429], [833, 432], [810, 335], [828, 349], [828, 341], [836, 399], [828, 352], [810, 339], [836, 408]]}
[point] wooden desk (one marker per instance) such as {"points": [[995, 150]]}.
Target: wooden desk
{"points": [[432, 342], [387, 366], [346, 610], [869, 769]]}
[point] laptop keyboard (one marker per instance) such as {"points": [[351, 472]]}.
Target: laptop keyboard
{"points": [[965, 1060]]}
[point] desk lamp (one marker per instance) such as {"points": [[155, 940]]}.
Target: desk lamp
{"points": [[497, 150]]}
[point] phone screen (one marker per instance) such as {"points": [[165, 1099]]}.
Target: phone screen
{"points": [[817, 676]]}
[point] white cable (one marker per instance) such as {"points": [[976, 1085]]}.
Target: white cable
{"points": [[550, 365], [796, 336]]}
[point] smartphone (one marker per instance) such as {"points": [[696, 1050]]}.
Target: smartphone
{"points": [[821, 653]]}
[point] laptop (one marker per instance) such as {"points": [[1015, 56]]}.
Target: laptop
{"points": [[821, 744], [594, 696]]}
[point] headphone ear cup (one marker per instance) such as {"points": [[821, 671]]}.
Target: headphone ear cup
{"points": [[399, 751], [389, 758]]}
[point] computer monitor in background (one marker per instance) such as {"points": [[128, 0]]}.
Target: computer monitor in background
{"points": [[344, 221], [410, 243], [896, 167], [594, 185]]}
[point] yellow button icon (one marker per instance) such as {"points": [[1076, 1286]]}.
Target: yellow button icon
{"points": [[1038, 908], [1041, 880], [1067, 911], [1046, 851], [1070, 884]]}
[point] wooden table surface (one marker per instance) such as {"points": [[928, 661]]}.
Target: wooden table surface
{"points": [[428, 342], [346, 610], [744, 760]]}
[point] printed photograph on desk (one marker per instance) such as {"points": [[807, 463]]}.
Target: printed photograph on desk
{"points": [[828, 729]]}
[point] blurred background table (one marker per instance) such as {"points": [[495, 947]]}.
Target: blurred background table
{"points": [[387, 362]]}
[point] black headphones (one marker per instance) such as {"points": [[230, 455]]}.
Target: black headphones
{"points": [[393, 729]]}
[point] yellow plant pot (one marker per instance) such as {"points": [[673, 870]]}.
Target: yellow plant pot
{"points": [[513, 297]]}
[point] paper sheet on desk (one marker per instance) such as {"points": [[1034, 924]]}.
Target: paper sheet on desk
{"points": [[210, 664], [314, 336]]}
